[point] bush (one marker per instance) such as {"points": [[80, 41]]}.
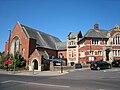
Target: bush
{"points": [[17, 60], [1, 66], [11, 67]]}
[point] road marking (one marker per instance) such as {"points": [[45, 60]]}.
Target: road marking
{"points": [[102, 89], [6, 81], [52, 85], [112, 70]]}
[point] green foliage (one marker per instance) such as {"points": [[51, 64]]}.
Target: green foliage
{"points": [[11, 67], [17, 61], [1, 66], [2, 59]]}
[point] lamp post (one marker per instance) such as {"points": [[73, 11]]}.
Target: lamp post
{"points": [[33, 67], [14, 65], [8, 47], [9, 42], [61, 67]]}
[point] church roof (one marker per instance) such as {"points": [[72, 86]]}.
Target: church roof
{"points": [[43, 53], [42, 39], [61, 45]]}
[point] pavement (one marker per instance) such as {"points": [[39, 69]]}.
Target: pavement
{"points": [[39, 73]]}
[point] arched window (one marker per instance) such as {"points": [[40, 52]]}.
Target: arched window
{"points": [[116, 40], [15, 45]]}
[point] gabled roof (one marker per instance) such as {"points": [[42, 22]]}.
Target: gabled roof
{"points": [[73, 35], [42, 39], [96, 33]]}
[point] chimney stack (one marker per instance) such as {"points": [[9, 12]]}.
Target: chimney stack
{"points": [[96, 26]]}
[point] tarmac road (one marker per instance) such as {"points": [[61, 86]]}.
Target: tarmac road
{"points": [[108, 79]]}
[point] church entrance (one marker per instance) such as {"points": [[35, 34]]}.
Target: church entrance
{"points": [[35, 64]]}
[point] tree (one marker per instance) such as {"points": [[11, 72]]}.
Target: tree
{"points": [[2, 59], [18, 61]]}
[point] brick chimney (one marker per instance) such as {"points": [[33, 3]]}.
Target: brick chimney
{"points": [[96, 26]]}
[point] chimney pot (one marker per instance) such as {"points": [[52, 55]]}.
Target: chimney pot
{"points": [[96, 26]]}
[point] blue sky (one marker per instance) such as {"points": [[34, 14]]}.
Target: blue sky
{"points": [[57, 17]]}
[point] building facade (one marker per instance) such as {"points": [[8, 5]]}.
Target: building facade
{"points": [[36, 46], [95, 45]]}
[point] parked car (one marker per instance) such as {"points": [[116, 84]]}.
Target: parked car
{"points": [[98, 65], [78, 66], [116, 63]]}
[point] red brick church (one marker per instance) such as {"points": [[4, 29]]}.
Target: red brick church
{"points": [[36, 46]]}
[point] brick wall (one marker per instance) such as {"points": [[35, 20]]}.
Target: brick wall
{"points": [[50, 52], [64, 53], [24, 41]]}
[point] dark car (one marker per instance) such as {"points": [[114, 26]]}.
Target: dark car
{"points": [[116, 63], [78, 66], [98, 65]]}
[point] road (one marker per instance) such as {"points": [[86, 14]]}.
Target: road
{"points": [[76, 80]]}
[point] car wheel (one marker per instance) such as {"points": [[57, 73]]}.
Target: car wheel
{"points": [[91, 68], [98, 68]]}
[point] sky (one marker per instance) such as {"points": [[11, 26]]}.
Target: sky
{"points": [[57, 17]]}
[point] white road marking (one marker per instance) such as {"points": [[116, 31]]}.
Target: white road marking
{"points": [[52, 85], [102, 89], [112, 70], [6, 81]]}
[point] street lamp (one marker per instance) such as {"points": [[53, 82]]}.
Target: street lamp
{"points": [[9, 42], [8, 48], [14, 65], [33, 67], [61, 57]]}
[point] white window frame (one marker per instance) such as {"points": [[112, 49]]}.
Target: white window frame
{"points": [[100, 53], [116, 40], [95, 42]]}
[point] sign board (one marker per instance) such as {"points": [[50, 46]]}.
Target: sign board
{"points": [[91, 58]]}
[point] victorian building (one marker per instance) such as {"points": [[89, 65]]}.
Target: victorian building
{"points": [[37, 47], [96, 44]]}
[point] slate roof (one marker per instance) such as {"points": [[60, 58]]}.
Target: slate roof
{"points": [[43, 39], [73, 35], [96, 33], [61, 45], [43, 53]]}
